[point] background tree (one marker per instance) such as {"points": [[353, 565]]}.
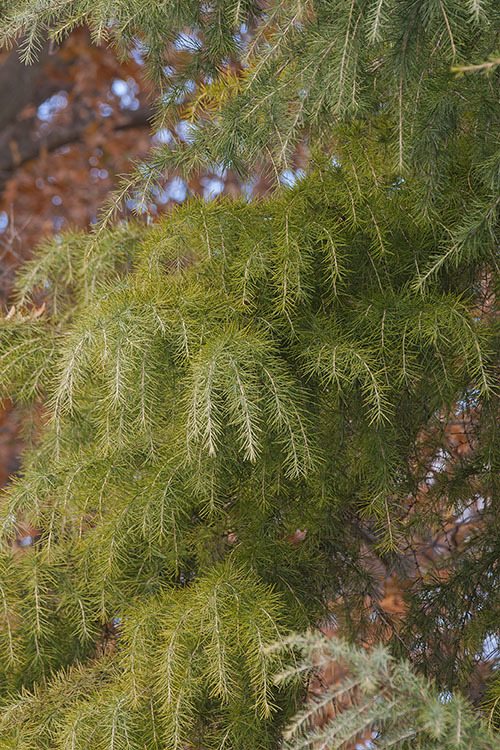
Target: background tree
{"points": [[261, 414]]}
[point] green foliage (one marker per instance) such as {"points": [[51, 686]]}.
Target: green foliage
{"points": [[310, 70], [308, 67], [202, 411], [146, 695], [377, 699], [240, 404]]}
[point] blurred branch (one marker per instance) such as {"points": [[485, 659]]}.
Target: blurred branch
{"points": [[21, 84], [20, 142]]}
